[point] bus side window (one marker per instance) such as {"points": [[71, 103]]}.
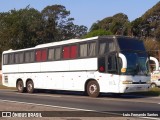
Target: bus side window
{"points": [[32, 56], [91, 49], [44, 55], [103, 48], [16, 58], [51, 54], [11, 58], [5, 59], [21, 57], [38, 55], [112, 64], [57, 53], [27, 56], [66, 52], [73, 51], [83, 50]]}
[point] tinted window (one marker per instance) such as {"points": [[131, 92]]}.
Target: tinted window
{"points": [[130, 44], [29, 56], [83, 50], [16, 58], [51, 54], [11, 58], [32, 56], [106, 46], [57, 53], [5, 59], [21, 57], [92, 49], [112, 64]]}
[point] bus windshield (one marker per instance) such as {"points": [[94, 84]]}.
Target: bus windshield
{"points": [[137, 63]]}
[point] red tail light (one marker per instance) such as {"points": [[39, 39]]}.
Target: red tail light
{"points": [[101, 69]]}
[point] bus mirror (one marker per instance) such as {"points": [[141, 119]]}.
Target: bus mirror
{"points": [[124, 62], [156, 62]]}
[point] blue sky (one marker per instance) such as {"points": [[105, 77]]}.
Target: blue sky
{"points": [[86, 12]]}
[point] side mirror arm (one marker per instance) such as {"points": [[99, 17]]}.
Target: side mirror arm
{"points": [[124, 62], [156, 62]]}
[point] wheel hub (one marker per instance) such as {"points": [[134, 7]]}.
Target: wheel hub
{"points": [[29, 87], [92, 88]]}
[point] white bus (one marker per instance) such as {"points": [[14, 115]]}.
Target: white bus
{"points": [[109, 64]]}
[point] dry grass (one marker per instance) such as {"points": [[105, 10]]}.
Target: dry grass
{"points": [[0, 78]]}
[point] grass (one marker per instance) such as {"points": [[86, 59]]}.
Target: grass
{"points": [[151, 92], [4, 87]]}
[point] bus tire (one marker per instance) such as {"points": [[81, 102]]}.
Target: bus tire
{"points": [[30, 86], [20, 86], [93, 88]]}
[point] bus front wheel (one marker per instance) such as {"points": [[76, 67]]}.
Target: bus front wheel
{"points": [[93, 88], [20, 86], [30, 86], [153, 85]]}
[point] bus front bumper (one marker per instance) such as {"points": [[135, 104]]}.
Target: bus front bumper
{"points": [[134, 88]]}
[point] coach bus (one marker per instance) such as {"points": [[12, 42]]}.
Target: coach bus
{"points": [[102, 64]]}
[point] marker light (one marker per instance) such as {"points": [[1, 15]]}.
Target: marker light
{"points": [[123, 70]]}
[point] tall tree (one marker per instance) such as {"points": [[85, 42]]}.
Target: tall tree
{"points": [[117, 24], [19, 28], [58, 25], [148, 25]]}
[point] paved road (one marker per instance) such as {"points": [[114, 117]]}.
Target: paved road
{"points": [[104, 104]]}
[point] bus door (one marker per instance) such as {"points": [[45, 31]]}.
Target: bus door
{"points": [[112, 70]]}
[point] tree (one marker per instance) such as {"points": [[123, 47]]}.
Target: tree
{"points": [[117, 24], [19, 28], [147, 26], [99, 32], [58, 25]]}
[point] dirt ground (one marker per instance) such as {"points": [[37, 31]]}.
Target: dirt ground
{"points": [[0, 77], [14, 106]]}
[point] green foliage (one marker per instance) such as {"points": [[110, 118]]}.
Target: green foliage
{"points": [[19, 28], [58, 25], [146, 27], [99, 32], [149, 24], [28, 27], [118, 24]]}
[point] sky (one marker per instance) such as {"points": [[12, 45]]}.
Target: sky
{"points": [[86, 12]]}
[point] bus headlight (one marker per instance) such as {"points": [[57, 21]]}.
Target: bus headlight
{"points": [[127, 82]]}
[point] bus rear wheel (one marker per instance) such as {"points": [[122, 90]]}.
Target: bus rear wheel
{"points": [[93, 89], [30, 86], [20, 86]]}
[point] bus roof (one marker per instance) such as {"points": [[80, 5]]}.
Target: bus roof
{"points": [[52, 44], [61, 43]]}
